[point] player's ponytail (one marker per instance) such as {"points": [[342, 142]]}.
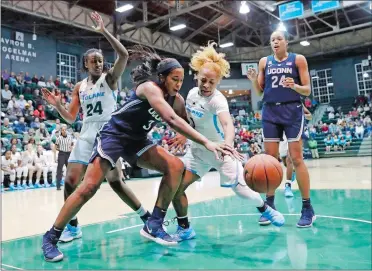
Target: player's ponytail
{"points": [[209, 57], [148, 68]]}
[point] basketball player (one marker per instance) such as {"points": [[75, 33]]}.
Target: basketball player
{"points": [[285, 157], [283, 78], [96, 94], [125, 135], [208, 111]]}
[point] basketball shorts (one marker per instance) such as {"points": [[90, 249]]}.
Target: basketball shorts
{"points": [[82, 151], [200, 162], [282, 117], [111, 148]]}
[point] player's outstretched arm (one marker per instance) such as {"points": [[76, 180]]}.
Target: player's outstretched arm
{"points": [[117, 70], [154, 96], [55, 100]]}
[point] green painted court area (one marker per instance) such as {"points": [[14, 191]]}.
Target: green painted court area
{"points": [[228, 237]]}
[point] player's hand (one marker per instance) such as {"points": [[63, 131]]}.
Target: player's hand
{"points": [[177, 143], [100, 26], [219, 149], [50, 97], [252, 74], [289, 82]]}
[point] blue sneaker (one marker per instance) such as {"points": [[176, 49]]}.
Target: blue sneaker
{"points": [[288, 191], [19, 187], [70, 233], [307, 217], [184, 234], [12, 188], [154, 231], [50, 249], [263, 221], [37, 185], [273, 216]]}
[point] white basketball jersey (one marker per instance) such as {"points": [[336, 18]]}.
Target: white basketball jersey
{"points": [[98, 101], [203, 113]]}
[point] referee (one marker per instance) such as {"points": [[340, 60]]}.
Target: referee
{"points": [[64, 145]]}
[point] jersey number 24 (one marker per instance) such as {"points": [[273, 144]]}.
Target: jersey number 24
{"points": [[275, 83], [96, 109]]}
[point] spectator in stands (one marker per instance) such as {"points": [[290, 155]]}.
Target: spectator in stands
{"points": [[330, 109], [5, 76], [342, 143], [35, 124], [7, 129], [28, 158], [50, 83], [7, 167], [324, 128], [331, 115], [367, 109], [28, 79], [40, 113], [20, 127], [39, 165], [30, 135], [335, 142], [328, 142], [43, 136], [57, 82], [29, 116], [15, 142], [21, 102], [313, 146], [368, 130], [6, 94], [34, 79], [348, 138], [308, 103], [359, 131]]}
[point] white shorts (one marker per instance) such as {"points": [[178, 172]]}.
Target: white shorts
{"points": [[283, 148], [200, 162], [83, 148]]}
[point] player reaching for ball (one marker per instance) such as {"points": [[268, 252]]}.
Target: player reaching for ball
{"points": [[208, 111], [283, 78]]}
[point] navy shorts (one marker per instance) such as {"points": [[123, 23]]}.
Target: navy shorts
{"points": [[282, 117], [111, 148]]}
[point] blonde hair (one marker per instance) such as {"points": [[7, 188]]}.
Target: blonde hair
{"points": [[208, 57]]}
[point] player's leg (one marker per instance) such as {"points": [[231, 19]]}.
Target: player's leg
{"points": [[156, 158], [290, 177], [115, 180], [272, 133], [232, 175], [197, 164], [294, 133], [180, 203], [93, 178]]}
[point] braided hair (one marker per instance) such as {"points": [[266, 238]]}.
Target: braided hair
{"points": [[85, 58]]}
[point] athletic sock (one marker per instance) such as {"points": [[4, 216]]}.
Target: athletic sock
{"points": [[57, 231], [159, 213], [270, 201], [288, 183], [262, 208], [74, 222], [183, 222], [306, 203], [141, 211], [145, 217]]}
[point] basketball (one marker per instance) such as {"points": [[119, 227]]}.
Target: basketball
{"points": [[263, 173]]}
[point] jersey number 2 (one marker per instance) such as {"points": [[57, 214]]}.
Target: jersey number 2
{"points": [[274, 83], [97, 109]]}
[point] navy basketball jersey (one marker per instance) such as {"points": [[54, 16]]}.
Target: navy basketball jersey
{"points": [[275, 73], [134, 119]]}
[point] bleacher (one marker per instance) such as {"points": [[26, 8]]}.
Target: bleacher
{"points": [[352, 150]]}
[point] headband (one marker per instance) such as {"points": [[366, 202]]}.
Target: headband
{"points": [[170, 65]]}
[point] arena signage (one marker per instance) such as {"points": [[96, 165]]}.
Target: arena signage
{"points": [[18, 49]]}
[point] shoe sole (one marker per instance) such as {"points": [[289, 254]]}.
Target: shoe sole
{"points": [[156, 239], [72, 238], [264, 223], [308, 226], [54, 260]]}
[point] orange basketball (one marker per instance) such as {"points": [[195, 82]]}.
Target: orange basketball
{"points": [[263, 173]]}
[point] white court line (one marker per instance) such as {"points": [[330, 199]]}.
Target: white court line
{"points": [[6, 265], [229, 215]]}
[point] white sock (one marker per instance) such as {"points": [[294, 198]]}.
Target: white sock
{"points": [[74, 218], [141, 211]]}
